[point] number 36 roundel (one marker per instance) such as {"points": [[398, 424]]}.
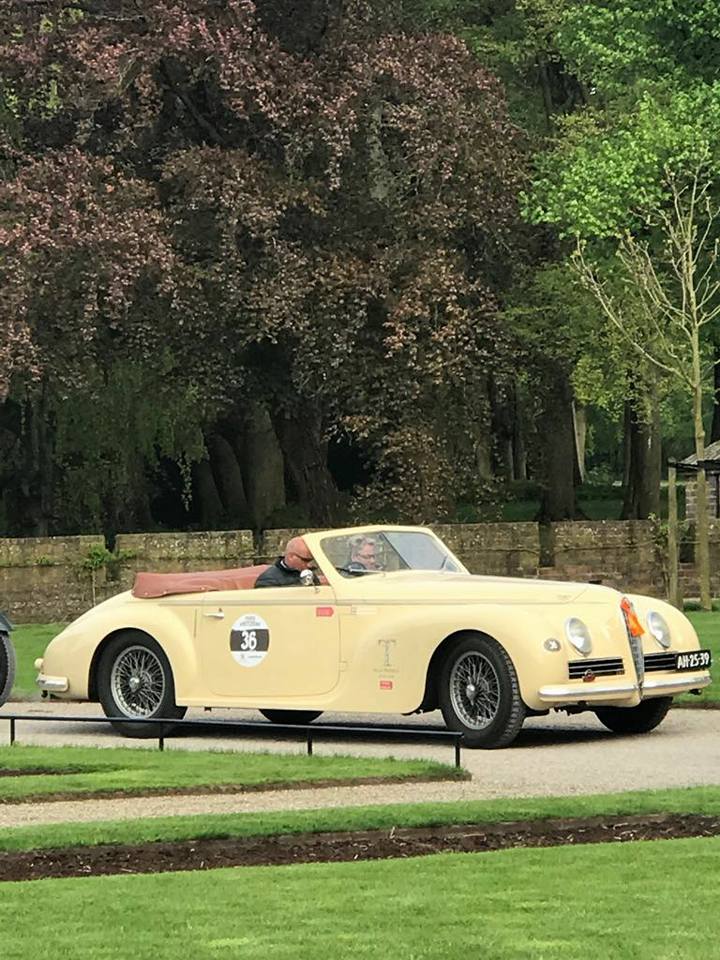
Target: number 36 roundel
{"points": [[249, 640]]}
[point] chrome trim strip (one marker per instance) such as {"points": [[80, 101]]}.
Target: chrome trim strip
{"points": [[686, 683], [586, 691], [53, 684]]}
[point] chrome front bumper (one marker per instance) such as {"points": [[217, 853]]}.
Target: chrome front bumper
{"points": [[589, 692], [52, 684]]}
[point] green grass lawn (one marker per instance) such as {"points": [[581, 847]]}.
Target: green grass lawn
{"points": [[30, 641], [705, 800], [708, 631], [602, 902], [87, 770]]}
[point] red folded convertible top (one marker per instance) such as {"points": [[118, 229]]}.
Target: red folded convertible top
{"points": [[149, 585]]}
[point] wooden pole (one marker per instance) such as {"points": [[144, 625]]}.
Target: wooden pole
{"points": [[672, 544]]}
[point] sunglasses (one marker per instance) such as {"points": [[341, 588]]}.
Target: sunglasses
{"points": [[304, 559]]}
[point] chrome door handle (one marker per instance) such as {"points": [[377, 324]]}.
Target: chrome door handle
{"points": [[215, 615]]}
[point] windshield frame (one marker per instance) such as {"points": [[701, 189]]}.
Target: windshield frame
{"points": [[334, 575]]}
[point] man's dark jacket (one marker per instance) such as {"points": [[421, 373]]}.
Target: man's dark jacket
{"points": [[278, 575]]}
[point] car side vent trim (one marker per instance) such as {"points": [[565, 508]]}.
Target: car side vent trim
{"points": [[660, 661], [601, 667]]}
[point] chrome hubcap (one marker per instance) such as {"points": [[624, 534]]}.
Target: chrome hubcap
{"points": [[474, 690], [137, 682]]}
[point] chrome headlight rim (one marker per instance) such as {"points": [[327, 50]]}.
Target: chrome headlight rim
{"points": [[659, 628], [578, 634]]}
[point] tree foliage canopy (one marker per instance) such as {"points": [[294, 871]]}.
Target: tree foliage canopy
{"points": [[319, 214]]}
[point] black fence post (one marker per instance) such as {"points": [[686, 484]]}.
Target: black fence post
{"points": [[165, 729]]}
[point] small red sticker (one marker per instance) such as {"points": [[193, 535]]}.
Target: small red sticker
{"points": [[386, 684], [324, 611]]}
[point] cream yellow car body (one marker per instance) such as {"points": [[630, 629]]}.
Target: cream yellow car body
{"points": [[376, 643]]}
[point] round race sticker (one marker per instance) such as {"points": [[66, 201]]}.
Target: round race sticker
{"points": [[249, 640]]}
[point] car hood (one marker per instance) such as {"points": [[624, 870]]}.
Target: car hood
{"points": [[469, 588]]}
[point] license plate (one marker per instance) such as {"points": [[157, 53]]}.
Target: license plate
{"points": [[696, 660]]}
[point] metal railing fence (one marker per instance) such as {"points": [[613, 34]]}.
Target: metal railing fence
{"points": [[310, 732]]}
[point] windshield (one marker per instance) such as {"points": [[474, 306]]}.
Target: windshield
{"points": [[361, 553]]}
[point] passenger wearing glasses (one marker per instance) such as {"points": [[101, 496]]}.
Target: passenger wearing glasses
{"points": [[286, 570]]}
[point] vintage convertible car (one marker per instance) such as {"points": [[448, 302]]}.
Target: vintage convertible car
{"points": [[415, 633]]}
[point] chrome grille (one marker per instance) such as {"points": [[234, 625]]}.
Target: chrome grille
{"points": [[660, 661], [637, 655], [601, 667], [635, 642]]}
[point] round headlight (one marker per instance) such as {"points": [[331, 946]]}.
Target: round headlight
{"points": [[578, 635], [657, 625]]}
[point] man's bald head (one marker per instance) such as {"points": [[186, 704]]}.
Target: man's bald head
{"points": [[297, 556]]}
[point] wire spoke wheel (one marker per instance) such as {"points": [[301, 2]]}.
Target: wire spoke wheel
{"points": [[479, 693], [137, 682], [474, 690]]}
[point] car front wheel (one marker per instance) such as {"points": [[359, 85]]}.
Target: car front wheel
{"points": [[135, 681], [640, 719], [7, 666], [479, 693]]}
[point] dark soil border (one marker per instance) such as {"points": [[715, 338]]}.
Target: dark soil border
{"points": [[201, 790], [160, 857]]}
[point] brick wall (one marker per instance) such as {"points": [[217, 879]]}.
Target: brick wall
{"points": [[43, 580]]}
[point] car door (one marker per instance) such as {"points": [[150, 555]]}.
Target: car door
{"points": [[272, 642]]}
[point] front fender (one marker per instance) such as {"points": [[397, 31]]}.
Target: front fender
{"points": [[74, 653], [402, 644]]}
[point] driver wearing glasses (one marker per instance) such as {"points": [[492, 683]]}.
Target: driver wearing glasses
{"points": [[363, 555], [286, 570]]}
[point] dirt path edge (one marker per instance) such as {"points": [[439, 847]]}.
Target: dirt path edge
{"points": [[208, 854]]}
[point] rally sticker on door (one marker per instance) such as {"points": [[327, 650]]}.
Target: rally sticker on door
{"points": [[249, 640]]}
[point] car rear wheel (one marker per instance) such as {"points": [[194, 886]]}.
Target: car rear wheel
{"points": [[640, 719], [7, 666], [291, 716], [135, 681], [479, 693]]}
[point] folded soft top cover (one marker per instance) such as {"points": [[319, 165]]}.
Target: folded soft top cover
{"points": [[149, 585]]}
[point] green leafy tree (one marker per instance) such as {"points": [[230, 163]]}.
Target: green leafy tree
{"points": [[310, 220], [635, 183]]}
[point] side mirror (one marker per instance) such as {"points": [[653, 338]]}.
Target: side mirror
{"points": [[307, 578]]}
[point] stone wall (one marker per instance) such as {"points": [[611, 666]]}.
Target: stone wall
{"points": [[56, 579], [623, 554], [166, 552], [50, 579], [713, 497]]}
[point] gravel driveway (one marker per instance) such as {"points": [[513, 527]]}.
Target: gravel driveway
{"points": [[555, 755]]}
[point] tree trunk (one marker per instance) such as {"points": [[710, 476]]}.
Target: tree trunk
{"points": [[558, 437], [305, 454], [702, 553], [643, 467], [261, 462], [33, 494], [209, 505], [502, 427], [228, 480], [481, 429], [519, 448], [580, 429]]}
